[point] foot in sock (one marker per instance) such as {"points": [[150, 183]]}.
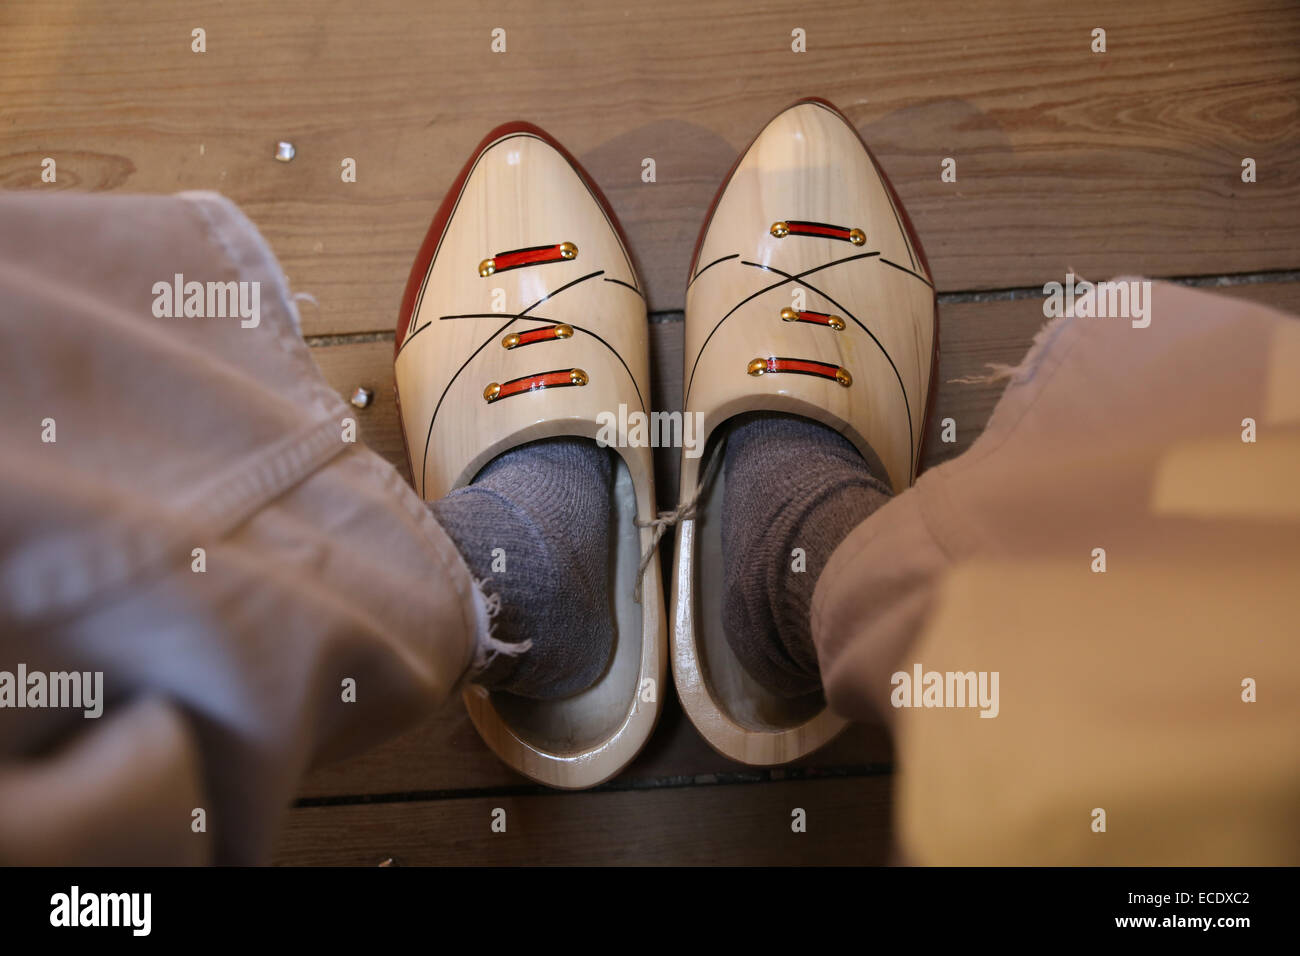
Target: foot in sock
{"points": [[546, 505], [790, 483]]}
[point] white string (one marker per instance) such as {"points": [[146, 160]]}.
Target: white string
{"points": [[487, 648], [666, 519]]}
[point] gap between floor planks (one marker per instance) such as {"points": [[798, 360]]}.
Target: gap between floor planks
{"points": [[1209, 283]]}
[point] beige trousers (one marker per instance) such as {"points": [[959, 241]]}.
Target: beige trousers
{"points": [[180, 511], [1158, 698], [320, 566]]}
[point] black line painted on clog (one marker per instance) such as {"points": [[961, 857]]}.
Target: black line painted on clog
{"points": [[424, 462], [914, 275], [626, 285], [826, 265], [735, 255]]}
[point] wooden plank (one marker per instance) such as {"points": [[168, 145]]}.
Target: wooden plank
{"points": [[1117, 162], [1284, 296], [445, 753], [848, 822], [972, 334]]}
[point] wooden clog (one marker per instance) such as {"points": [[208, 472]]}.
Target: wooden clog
{"points": [[524, 319], [808, 294]]}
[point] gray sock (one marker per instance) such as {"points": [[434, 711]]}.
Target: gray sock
{"points": [[790, 483], [546, 506]]}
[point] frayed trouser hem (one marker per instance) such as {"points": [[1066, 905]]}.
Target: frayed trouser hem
{"points": [[487, 647]]}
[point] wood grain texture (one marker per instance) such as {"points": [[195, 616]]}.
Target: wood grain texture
{"points": [[1127, 161], [742, 308], [807, 164], [972, 335], [454, 371], [444, 752], [1123, 162], [848, 822]]}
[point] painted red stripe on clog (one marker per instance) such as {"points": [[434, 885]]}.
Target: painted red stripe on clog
{"points": [[534, 255], [531, 383], [777, 364], [558, 378], [806, 366], [544, 334], [800, 228]]}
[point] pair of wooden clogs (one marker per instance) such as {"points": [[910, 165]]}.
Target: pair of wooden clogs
{"points": [[524, 318]]}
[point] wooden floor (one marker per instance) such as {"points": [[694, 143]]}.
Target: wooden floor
{"points": [[1067, 160]]}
